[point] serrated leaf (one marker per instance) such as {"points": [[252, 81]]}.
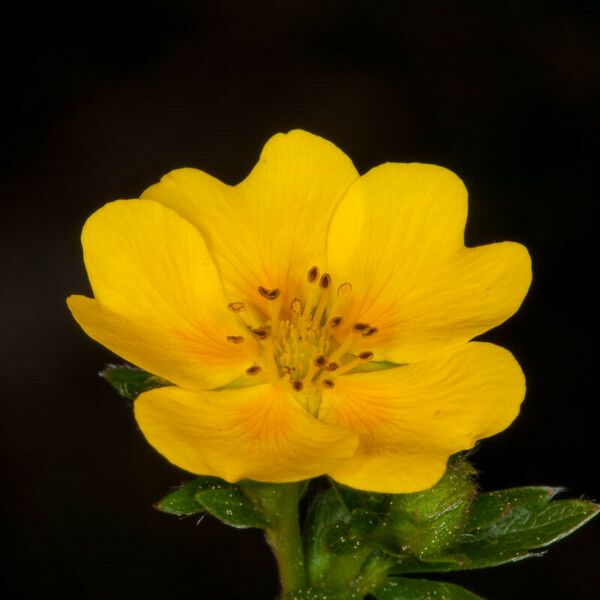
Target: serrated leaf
{"points": [[182, 502], [228, 503], [422, 589], [505, 526], [130, 382]]}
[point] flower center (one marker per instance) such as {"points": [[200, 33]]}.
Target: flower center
{"points": [[298, 343]]}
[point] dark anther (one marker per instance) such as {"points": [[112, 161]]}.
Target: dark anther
{"points": [[235, 339], [253, 370], [370, 331], [328, 383], [259, 332], [365, 355], [236, 306], [269, 294], [320, 361], [297, 385], [335, 321], [360, 327], [332, 366], [325, 280], [312, 274]]}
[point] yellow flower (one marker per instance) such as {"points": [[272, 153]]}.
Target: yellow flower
{"points": [[273, 304]]}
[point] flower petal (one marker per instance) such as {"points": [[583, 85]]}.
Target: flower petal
{"points": [[398, 238], [258, 432], [272, 227], [410, 419], [159, 302]]}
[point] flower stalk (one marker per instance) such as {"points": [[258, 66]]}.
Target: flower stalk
{"points": [[279, 504]]}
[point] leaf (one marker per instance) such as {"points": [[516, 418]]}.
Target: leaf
{"points": [[130, 381], [225, 501], [182, 502], [228, 503], [504, 526], [422, 589]]}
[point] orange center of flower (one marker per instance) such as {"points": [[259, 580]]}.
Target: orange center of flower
{"points": [[298, 343]]}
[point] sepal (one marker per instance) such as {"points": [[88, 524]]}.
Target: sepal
{"points": [[130, 382]]}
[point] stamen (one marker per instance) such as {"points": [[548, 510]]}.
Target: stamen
{"points": [[320, 361], [235, 339], [325, 283], [259, 332], [297, 384], [254, 370], [269, 294], [370, 331], [312, 274], [332, 366], [360, 327], [336, 321], [236, 306], [325, 280], [365, 356], [344, 290], [328, 383]]}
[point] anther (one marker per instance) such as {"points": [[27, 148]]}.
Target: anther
{"points": [[269, 294], [320, 361], [370, 331], [335, 321], [360, 327], [332, 366], [253, 370], [328, 383], [297, 385], [312, 274], [296, 306], [325, 280], [236, 306], [235, 339], [365, 356], [259, 332], [344, 290]]}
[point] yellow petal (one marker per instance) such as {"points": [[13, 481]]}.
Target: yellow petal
{"points": [[159, 302], [271, 228], [398, 238], [258, 433], [410, 419]]}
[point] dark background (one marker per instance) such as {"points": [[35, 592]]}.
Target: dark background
{"points": [[102, 99]]}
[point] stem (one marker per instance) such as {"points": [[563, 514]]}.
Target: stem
{"points": [[285, 540], [280, 505]]}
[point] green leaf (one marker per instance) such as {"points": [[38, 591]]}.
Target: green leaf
{"points": [[130, 381], [228, 503], [225, 501], [422, 589], [504, 526], [182, 502]]}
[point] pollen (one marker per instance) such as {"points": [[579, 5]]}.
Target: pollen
{"points": [[304, 342]]}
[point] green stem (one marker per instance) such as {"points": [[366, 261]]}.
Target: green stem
{"points": [[280, 505]]}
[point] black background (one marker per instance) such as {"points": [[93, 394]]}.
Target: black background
{"points": [[103, 98]]}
